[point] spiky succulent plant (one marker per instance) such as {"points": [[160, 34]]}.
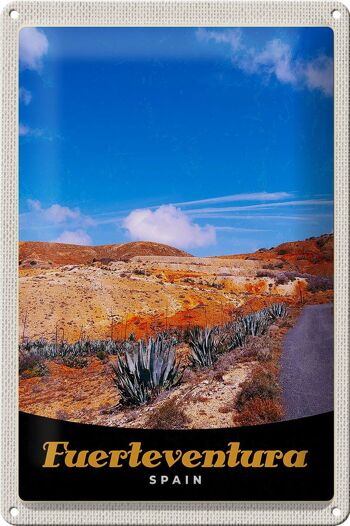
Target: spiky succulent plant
{"points": [[204, 345], [254, 324], [237, 337], [143, 373], [278, 310]]}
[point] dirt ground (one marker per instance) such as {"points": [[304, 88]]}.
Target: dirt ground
{"points": [[89, 395], [144, 295], [207, 396]]}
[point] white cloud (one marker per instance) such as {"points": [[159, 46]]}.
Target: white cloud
{"points": [[78, 237], [53, 216], [319, 74], [34, 204], [169, 225], [55, 213], [26, 131], [23, 130], [276, 59], [229, 36], [267, 217], [257, 196], [264, 206], [238, 229], [60, 214], [33, 46], [25, 96]]}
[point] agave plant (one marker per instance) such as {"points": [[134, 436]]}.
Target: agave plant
{"points": [[278, 310], [254, 324], [104, 346], [204, 345], [142, 374], [238, 337]]}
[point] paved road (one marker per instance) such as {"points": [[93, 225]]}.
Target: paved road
{"points": [[307, 363]]}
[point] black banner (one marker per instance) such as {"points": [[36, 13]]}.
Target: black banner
{"points": [[313, 482]]}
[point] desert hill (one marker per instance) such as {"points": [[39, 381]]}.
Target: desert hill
{"points": [[313, 255], [44, 254], [105, 293], [82, 286]]}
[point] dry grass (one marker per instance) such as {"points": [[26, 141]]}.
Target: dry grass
{"points": [[169, 415], [256, 348], [225, 361], [32, 365], [262, 384], [259, 411], [74, 362]]}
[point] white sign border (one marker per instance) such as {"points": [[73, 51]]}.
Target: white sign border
{"points": [[169, 13]]}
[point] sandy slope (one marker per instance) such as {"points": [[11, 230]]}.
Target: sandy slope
{"points": [[139, 296]]}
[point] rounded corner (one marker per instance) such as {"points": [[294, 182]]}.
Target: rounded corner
{"points": [[343, 518], [6, 7], [341, 5], [6, 517]]}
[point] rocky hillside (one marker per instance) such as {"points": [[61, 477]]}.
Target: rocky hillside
{"points": [[45, 255], [313, 255]]}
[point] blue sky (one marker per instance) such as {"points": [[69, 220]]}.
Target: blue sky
{"points": [[214, 140]]}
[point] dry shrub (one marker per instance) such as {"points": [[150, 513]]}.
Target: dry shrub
{"points": [[190, 375], [256, 349], [31, 365], [74, 362], [226, 408], [102, 355], [261, 384], [265, 274], [259, 411], [322, 241], [268, 266], [281, 278], [225, 361], [316, 283], [256, 354], [168, 415], [218, 375], [271, 369]]}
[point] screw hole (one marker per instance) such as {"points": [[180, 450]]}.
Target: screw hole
{"points": [[14, 512], [336, 512], [14, 14], [336, 14]]}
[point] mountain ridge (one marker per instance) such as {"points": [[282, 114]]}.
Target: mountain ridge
{"points": [[46, 254]]}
